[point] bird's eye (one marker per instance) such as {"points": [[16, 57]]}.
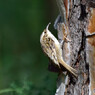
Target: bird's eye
{"points": [[45, 31]]}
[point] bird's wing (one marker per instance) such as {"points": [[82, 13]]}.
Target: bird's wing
{"points": [[49, 49]]}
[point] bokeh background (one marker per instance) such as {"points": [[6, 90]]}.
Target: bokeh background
{"points": [[23, 65]]}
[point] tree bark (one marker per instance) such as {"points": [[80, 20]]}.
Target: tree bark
{"points": [[76, 34]]}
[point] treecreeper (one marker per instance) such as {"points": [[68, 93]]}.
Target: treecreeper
{"points": [[51, 47]]}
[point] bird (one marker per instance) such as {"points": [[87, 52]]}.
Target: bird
{"points": [[51, 47]]}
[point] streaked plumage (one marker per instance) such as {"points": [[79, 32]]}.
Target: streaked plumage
{"points": [[52, 49]]}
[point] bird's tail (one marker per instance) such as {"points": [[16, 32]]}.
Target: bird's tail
{"points": [[69, 68]]}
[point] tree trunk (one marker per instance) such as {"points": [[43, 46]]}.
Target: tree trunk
{"points": [[76, 27]]}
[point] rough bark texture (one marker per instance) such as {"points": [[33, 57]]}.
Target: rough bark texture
{"points": [[76, 22]]}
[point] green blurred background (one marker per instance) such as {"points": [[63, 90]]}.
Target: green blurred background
{"points": [[23, 65]]}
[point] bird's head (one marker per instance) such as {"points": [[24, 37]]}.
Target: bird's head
{"points": [[45, 34]]}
